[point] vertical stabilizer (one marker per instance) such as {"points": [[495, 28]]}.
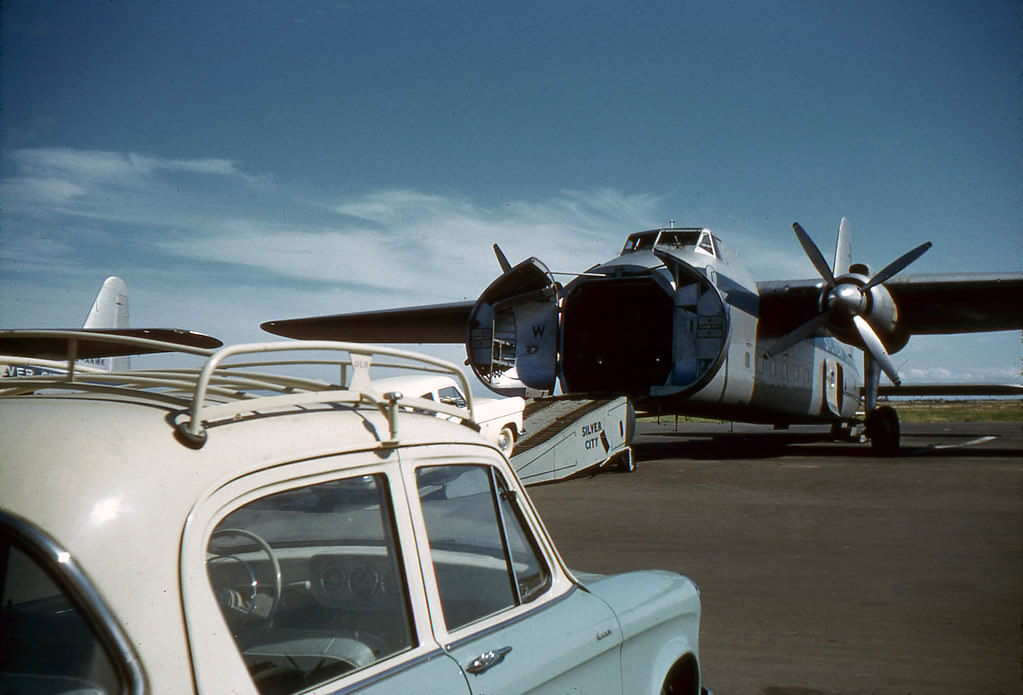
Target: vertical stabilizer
{"points": [[110, 310]]}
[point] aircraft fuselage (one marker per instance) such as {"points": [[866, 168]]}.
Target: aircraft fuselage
{"points": [[671, 322]]}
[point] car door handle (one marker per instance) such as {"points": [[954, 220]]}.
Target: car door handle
{"points": [[487, 660]]}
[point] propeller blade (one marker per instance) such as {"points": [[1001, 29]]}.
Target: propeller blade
{"points": [[897, 265], [843, 250], [876, 348], [502, 259], [804, 331], [814, 254]]}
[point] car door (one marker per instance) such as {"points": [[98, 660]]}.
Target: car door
{"points": [[500, 602], [305, 578]]}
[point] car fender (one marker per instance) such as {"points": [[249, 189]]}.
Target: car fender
{"points": [[659, 614]]}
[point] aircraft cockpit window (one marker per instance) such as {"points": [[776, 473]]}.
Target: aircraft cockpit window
{"points": [[701, 239], [706, 244], [644, 241], [678, 238]]}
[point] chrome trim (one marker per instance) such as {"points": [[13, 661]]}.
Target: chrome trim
{"points": [[66, 573], [387, 673], [487, 660], [509, 621]]}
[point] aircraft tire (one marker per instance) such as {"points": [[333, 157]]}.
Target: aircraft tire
{"points": [[882, 425]]}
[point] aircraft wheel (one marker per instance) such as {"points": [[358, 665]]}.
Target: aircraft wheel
{"points": [[841, 432], [883, 430]]}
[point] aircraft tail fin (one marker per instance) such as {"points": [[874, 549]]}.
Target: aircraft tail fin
{"points": [[110, 310]]}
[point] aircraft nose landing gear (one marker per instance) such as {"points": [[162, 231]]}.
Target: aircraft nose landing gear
{"points": [[882, 424]]}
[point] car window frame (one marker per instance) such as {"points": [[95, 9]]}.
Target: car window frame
{"points": [[66, 574], [205, 626], [560, 582]]}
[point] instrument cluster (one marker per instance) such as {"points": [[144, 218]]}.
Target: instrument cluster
{"points": [[350, 581]]}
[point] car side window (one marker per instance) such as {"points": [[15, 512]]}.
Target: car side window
{"points": [[46, 643], [484, 557], [451, 396], [310, 582]]}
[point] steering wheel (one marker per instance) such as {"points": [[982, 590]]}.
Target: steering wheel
{"points": [[231, 599]]}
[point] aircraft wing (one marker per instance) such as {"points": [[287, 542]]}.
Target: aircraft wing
{"points": [[927, 304], [39, 345], [961, 303], [436, 323]]}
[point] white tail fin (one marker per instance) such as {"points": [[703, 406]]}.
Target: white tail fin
{"points": [[110, 310]]}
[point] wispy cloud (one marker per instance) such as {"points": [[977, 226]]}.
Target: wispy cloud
{"points": [[84, 166], [208, 221], [424, 246], [398, 207], [211, 210], [116, 187]]}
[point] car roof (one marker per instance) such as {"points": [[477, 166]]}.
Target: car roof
{"points": [[414, 383], [79, 449]]}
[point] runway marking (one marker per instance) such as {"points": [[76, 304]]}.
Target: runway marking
{"points": [[936, 447]]}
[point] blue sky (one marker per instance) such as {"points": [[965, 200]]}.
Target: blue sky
{"points": [[237, 162]]}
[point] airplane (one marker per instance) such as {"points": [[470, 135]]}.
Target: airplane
{"points": [[677, 323], [109, 311], [39, 355]]}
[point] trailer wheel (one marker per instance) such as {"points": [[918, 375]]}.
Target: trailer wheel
{"points": [[625, 462]]}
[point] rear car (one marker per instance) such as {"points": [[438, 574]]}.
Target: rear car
{"points": [[499, 419]]}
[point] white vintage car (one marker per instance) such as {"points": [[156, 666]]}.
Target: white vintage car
{"points": [[499, 419], [221, 529]]}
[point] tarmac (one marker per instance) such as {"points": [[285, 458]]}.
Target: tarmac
{"points": [[822, 569]]}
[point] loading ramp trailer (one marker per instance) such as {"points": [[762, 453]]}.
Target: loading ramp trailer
{"points": [[566, 436]]}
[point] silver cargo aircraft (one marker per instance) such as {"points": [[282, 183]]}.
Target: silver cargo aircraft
{"points": [[676, 323]]}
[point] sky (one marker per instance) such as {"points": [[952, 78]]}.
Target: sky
{"points": [[238, 162]]}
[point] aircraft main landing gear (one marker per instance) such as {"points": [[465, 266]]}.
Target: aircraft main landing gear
{"points": [[882, 424], [843, 432]]}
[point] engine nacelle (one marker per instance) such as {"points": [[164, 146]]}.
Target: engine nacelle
{"points": [[875, 305]]}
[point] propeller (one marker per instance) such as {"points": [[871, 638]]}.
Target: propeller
{"points": [[502, 260], [848, 301]]}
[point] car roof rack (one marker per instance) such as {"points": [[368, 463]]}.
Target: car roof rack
{"points": [[223, 390]]}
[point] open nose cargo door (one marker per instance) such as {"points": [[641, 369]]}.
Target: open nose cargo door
{"points": [[512, 334]]}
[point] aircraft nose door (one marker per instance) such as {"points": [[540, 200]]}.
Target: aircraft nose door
{"points": [[512, 339]]}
